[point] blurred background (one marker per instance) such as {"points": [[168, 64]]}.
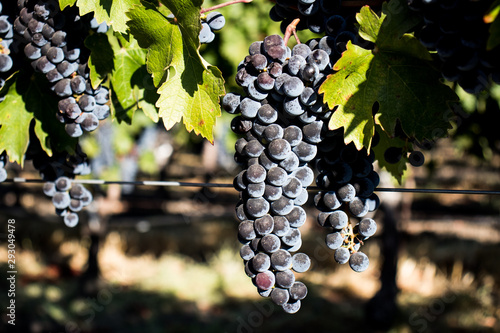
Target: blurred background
{"points": [[166, 259]]}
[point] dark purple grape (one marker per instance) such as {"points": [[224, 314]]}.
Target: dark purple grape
{"points": [[88, 121], [55, 55]]}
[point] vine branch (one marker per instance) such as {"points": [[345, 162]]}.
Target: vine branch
{"points": [[291, 29], [229, 3], [351, 3]]}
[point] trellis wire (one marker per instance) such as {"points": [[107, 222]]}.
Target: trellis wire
{"points": [[228, 185]]}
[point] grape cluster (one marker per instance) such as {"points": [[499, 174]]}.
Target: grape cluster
{"points": [[319, 16], [6, 40], [59, 164], [58, 171], [68, 198], [54, 45], [347, 181], [3, 162], [456, 31], [213, 21], [281, 121], [84, 112]]}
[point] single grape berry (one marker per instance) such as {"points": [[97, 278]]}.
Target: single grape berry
{"points": [[216, 21], [280, 296], [416, 158], [71, 220], [367, 227], [393, 155], [342, 255], [359, 262]]}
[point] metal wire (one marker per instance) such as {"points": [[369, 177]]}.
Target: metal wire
{"points": [[229, 185]]}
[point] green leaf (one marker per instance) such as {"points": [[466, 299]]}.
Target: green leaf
{"points": [[393, 36], [342, 90], [493, 12], [493, 17], [155, 33], [15, 123], [65, 3], [101, 58], [149, 98], [29, 99], [369, 23], [494, 38], [193, 97], [396, 75], [397, 170], [187, 14], [111, 11], [189, 86], [129, 79]]}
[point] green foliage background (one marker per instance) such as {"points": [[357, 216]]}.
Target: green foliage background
{"points": [[244, 25]]}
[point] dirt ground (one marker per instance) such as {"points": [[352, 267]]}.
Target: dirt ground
{"points": [[168, 261]]}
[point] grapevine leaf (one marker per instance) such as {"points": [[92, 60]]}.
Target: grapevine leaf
{"points": [[396, 75], [494, 39], [187, 14], [389, 30], [15, 123], [65, 3], [340, 90], [128, 79], [493, 12], [493, 17], [396, 169], [31, 100], [149, 110], [393, 36], [101, 58], [196, 99], [369, 23], [154, 32], [189, 86], [150, 95], [43, 137], [111, 11]]}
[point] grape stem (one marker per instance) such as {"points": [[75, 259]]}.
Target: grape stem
{"points": [[351, 3], [291, 29], [350, 239], [229, 3]]}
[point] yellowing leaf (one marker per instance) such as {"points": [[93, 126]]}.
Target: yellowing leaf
{"points": [[65, 3], [396, 77], [189, 87], [395, 74], [493, 17], [194, 97], [341, 88]]}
